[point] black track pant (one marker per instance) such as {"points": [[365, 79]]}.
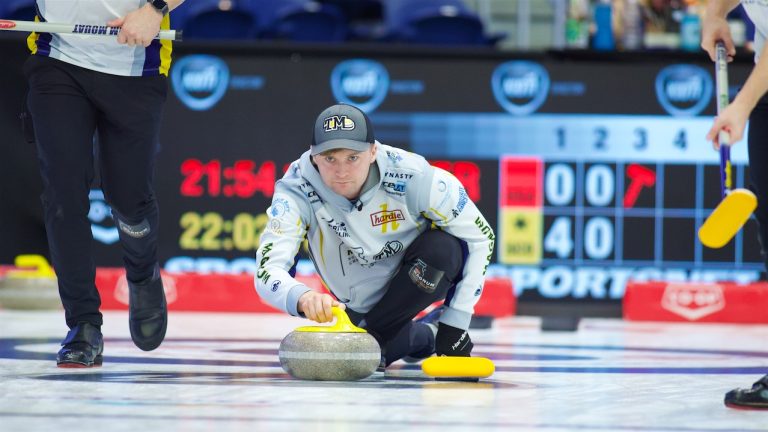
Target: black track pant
{"points": [[431, 266], [758, 169], [69, 105]]}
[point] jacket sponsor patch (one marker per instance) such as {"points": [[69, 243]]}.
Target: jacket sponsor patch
{"points": [[389, 249], [340, 228], [424, 276], [396, 188], [386, 216], [279, 207]]}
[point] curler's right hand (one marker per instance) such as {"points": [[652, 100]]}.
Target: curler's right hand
{"points": [[317, 306]]}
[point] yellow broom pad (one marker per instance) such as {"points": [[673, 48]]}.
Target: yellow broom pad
{"points": [[727, 218], [458, 367]]}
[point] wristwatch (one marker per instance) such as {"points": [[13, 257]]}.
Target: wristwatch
{"points": [[159, 5]]}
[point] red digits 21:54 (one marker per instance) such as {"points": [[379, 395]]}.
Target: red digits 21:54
{"points": [[243, 179]]}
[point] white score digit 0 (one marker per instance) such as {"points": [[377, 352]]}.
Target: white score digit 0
{"points": [[598, 238], [600, 185], [560, 184]]}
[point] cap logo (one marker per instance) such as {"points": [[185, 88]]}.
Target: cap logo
{"points": [[334, 123]]}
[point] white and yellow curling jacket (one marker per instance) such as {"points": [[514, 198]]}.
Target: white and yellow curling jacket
{"points": [[357, 247], [758, 13], [98, 53]]}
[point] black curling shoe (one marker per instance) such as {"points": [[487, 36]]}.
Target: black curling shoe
{"points": [[431, 319], [754, 398], [82, 348], [148, 312]]}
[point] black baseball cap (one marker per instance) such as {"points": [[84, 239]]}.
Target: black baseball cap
{"points": [[342, 126]]}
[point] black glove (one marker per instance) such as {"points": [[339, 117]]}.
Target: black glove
{"points": [[452, 341]]}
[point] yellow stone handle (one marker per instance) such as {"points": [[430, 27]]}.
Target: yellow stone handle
{"points": [[31, 266], [342, 325]]}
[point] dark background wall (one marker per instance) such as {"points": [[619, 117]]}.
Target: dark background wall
{"points": [[218, 165]]}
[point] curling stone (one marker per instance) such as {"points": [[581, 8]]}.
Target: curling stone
{"points": [[341, 352], [31, 286]]}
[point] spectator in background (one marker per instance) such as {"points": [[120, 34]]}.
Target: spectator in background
{"points": [[662, 16], [750, 103], [114, 86]]}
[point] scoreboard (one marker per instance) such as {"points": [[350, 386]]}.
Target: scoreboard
{"points": [[588, 202]]}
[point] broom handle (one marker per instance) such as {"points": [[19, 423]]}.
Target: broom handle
{"points": [[724, 138], [84, 29]]}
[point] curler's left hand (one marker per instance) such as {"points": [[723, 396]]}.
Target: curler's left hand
{"points": [[453, 342], [732, 119]]}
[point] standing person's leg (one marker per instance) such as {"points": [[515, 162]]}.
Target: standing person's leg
{"points": [[431, 266], [758, 172], [129, 129], [64, 122], [757, 396]]}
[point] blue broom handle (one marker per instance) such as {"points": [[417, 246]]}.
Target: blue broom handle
{"points": [[721, 84]]}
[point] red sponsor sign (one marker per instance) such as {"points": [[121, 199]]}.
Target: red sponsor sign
{"points": [[696, 302], [693, 301], [215, 292], [194, 291], [497, 300], [236, 293]]}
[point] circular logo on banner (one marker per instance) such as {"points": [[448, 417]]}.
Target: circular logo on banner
{"points": [[684, 90], [100, 215], [200, 81], [360, 82], [520, 87]]}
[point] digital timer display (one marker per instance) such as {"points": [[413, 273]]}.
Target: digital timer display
{"points": [[243, 179], [212, 232]]}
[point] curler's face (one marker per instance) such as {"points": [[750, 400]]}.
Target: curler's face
{"points": [[344, 171]]}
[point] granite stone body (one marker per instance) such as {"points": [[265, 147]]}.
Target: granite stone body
{"points": [[29, 293], [329, 356]]}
